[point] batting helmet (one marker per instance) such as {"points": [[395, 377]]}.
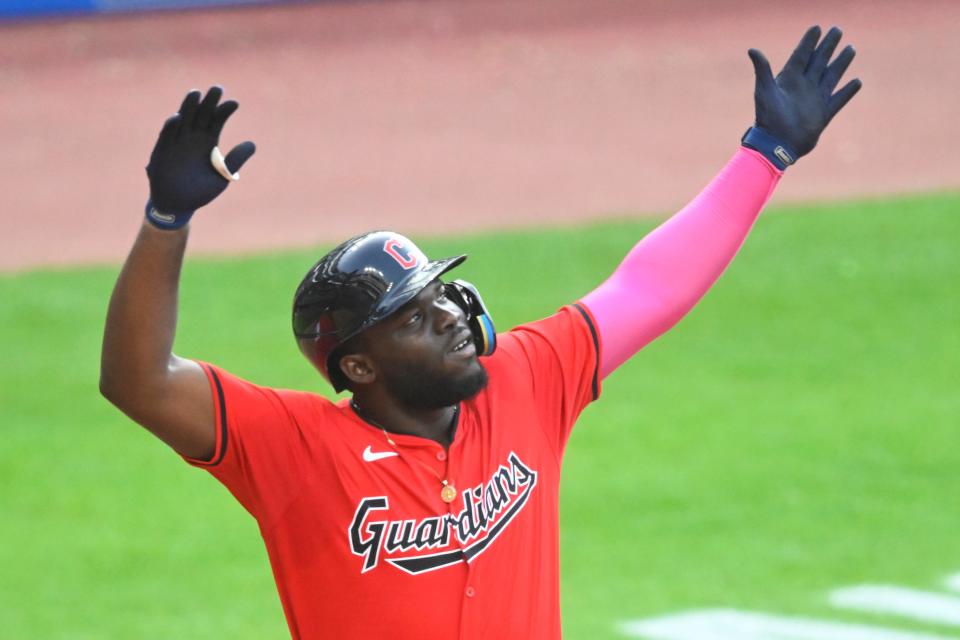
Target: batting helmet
{"points": [[363, 281]]}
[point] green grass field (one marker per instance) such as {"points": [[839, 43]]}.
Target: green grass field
{"points": [[798, 431]]}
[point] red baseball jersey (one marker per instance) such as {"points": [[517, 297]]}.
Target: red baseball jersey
{"points": [[360, 541]]}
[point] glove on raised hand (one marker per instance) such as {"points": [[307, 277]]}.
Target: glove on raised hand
{"points": [[182, 177], [793, 109]]}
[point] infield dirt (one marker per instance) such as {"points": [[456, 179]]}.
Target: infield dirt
{"points": [[433, 117]]}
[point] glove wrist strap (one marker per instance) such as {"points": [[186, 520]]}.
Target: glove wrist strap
{"points": [[168, 221], [763, 142]]}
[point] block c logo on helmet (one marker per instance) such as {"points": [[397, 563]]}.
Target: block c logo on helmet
{"points": [[399, 252]]}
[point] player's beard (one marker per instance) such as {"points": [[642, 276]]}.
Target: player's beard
{"points": [[419, 387]]}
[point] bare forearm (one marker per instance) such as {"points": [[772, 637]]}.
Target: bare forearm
{"points": [[142, 317]]}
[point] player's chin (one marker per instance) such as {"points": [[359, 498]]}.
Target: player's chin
{"points": [[466, 367], [436, 388], [473, 380], [469, 375]]}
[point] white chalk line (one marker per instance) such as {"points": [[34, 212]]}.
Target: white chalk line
{"points": [[732, 624], [916, 604], [953, 582]]}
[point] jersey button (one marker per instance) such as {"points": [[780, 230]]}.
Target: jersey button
{"points": [[470, 592], [441, 455]]}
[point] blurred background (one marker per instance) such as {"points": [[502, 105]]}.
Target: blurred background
{"points": [[441, 116], [795, 434]]}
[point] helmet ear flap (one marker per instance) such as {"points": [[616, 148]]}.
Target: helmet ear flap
{"points": [[466, 296]]}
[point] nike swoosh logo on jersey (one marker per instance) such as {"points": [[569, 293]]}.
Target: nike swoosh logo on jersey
{"points": [[372, 456]]}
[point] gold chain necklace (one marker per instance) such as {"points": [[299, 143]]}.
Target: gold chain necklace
{"points": [[448, 491]]}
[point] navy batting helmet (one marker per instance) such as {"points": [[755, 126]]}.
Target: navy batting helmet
{"points": [[363, 281]]}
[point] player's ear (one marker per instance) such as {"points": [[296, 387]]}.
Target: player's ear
{"points": [[358, 368]]}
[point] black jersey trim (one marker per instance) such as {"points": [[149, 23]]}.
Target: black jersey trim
{"points": [[222, 450], [596, 349]]}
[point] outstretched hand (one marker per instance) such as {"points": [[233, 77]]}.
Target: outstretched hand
{"points": [[182, 177], [797, 105]]}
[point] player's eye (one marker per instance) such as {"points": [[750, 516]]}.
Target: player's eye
{"points": [[413, 319]]}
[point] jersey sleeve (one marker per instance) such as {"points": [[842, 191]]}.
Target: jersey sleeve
{"points": [[560, 357], [258, 450]]}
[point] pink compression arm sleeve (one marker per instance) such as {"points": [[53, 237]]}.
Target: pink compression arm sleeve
{"points": [[667, 272]]}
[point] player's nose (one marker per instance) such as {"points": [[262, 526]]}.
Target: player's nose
{"points": [[446, 315]]}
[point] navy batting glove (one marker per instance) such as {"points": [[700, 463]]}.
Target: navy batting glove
{"points": [[182, 177], [793, 109]]}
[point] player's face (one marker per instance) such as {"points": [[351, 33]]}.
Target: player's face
{"points": [[425, 352]]}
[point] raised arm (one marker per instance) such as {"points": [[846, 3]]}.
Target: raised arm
{"points": [[139, 373], [669, 271]]}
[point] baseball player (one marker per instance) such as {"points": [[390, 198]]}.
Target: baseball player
{"points": [[425, 504]]}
